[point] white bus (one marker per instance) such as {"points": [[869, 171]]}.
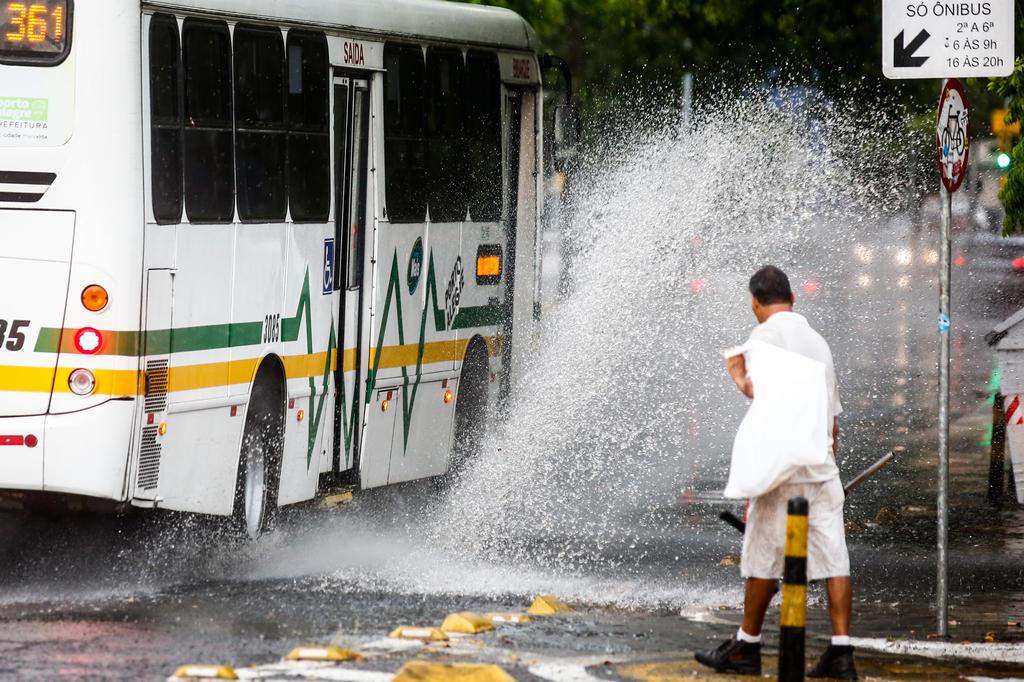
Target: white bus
{"points": [[249, 248]]}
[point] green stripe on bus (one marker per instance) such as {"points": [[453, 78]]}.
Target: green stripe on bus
{"points": [[164, 341], [478, 316], [238, 334]]}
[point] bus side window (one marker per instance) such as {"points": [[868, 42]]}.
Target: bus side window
{"points": [[209, 169], [403, 134], [259, 123], [483, 135], [165, 117], [445, 147], [309, 138]]}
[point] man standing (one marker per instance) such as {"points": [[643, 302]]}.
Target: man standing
{"points": [[765, 537]]}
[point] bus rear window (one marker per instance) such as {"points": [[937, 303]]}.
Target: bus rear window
{"points": [[34, 32]]}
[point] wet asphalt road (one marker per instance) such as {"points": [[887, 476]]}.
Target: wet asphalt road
{"points": [[94, 597]]}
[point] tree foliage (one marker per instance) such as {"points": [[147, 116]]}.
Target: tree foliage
{"points": [[615, 46], [1012, 193], [619, 47]]}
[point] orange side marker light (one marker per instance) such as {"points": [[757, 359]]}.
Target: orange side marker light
{"points": [[94, 298]]}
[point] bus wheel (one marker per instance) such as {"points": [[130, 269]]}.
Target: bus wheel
{"points": [[470, 407], [259, 462]]}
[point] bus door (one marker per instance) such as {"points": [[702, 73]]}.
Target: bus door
{"points": [[520, 213], [351, 146]]}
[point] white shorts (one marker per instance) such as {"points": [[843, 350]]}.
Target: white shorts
{"points": [[764, 542]]}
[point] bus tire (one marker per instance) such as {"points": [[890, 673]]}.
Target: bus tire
{"points": [[470, 406], [259, 462]]}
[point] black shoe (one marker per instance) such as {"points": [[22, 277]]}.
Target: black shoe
{"points": [[733, 656], [836, 663]]}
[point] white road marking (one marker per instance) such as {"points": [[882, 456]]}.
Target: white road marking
{"points": [[311, 672], [989, 652], [703, 615], [388, 645], [563, 671]]}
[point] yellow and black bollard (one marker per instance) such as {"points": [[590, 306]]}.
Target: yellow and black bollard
{"points": [[794, 594]]}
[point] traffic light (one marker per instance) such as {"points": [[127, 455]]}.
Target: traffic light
{"points": [[1006, 133]]}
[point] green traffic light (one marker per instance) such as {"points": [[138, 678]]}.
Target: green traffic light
{"points": [[1003, 160]]}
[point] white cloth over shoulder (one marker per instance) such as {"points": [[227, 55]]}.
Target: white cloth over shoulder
{"points": [[785, 427]]}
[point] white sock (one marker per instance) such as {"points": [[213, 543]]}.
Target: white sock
{"points": [[753, 639], [840, 640]]}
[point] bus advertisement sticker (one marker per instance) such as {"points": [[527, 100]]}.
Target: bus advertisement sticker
{"points": [[415, 265]]}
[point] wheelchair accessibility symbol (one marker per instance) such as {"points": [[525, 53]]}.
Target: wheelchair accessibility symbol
{"points": [[328, 266]]}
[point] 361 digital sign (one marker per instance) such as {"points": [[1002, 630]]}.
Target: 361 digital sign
{"points": [[34, 31]]}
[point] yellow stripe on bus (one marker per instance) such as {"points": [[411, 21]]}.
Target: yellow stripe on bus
{"points": [[404, 356], [215, 374], [28, 379], [41, 379]]}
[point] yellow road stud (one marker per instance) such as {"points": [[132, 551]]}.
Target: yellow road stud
{"points": [[335, 654], [420, 671], [336, 500], [502, 618], [466, 623], [204, 672], [545, 605], [426, 634]]}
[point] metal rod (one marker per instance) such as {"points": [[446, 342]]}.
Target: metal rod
{"points": [[942, 587], [686, 102], [869, 472]]}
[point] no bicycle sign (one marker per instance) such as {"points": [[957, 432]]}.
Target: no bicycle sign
{"points": [[953, 134]]}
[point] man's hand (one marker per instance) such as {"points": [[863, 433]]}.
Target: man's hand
{"points": [[746, 388], [737, 368]]}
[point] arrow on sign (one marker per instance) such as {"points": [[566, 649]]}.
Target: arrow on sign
{"points": [[903, 55]]}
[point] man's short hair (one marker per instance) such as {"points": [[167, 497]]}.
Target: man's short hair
{"points": [[770, 285]]}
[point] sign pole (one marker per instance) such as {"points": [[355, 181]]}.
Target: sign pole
{"points": [[943, 484], [953, 143], [929, 41]]}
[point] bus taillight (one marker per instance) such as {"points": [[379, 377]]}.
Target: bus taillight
{"points": [[82, 382], [88, 341]]}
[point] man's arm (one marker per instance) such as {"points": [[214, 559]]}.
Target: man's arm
{"points": [[835, 436], [737, 368]]}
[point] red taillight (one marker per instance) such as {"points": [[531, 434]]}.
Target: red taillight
{"points": [[29, 441], [1018, 263], [88, 341]]}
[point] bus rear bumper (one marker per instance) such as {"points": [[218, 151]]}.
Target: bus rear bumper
{"points": [[22, 441], [81, 453]]}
